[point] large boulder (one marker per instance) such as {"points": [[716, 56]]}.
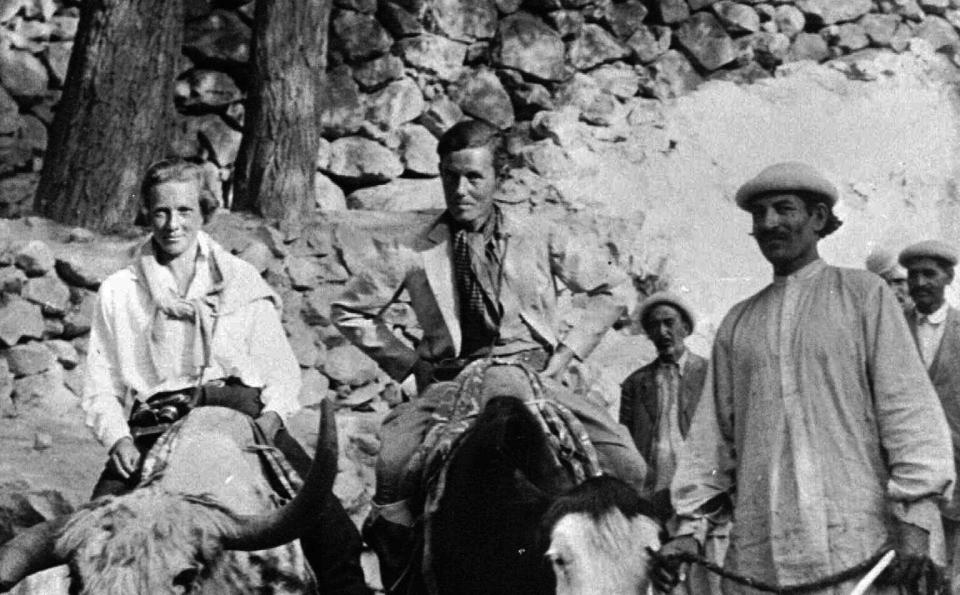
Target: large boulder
{"points": [[480, 94], [19, 319], [595, 46], [828, 12], [418, 151], [396, 104], [342, 106], [527, 44], [35, 258], [465, 20], [359, 161], [399, 195], [434, 54], [29, 359], [707, 41]]}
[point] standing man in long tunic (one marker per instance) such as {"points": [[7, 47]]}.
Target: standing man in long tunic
{"points": [[936, 327], [818, 422]]}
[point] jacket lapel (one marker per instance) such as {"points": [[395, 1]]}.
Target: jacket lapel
{"points": [[437, 259], [947, 350]]}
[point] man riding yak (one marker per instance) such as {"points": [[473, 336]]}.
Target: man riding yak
{"points": [[187, 325], [482, 282]]}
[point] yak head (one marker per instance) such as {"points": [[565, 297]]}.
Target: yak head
{"points": [[599, 533], [158, 542]]}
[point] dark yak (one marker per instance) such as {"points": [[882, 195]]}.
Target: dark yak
{"points": [[206, 523], [492, 533]]}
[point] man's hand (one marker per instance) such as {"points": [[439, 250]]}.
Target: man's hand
{"points": [[270, 423], [912, 562], [558, 362], [667, 573], [124, 457]]}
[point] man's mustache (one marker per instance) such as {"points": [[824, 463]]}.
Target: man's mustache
{"points": [[764, 236]]}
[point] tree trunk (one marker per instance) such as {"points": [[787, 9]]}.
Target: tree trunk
{"points": [[115, 115], [276, 165]]}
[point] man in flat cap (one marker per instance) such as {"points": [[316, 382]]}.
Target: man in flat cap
{"points": [[883, 262], [657, 403], [936, 328], [818, 424]]}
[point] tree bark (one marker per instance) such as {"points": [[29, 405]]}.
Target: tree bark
{"points": [[276, 166], [115, 115]]}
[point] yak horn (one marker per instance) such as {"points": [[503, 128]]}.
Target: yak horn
{"points": [[30, 552], [283, 525]]}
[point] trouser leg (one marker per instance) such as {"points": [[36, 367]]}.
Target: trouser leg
{"points": [[951, 533], [332, 545]]}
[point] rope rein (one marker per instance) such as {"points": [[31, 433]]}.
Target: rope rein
{"points": [[817, 585]]}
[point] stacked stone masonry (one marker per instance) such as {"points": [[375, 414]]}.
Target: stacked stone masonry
{"points": [[402, 71]]}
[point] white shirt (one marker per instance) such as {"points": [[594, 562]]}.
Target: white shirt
{"points": [[248, 343], [930, 329]]}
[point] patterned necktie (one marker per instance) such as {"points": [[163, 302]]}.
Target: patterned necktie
{"points": [[468, 288]]}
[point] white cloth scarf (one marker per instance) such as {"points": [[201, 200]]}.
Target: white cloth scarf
{"points": [[171, 307]]}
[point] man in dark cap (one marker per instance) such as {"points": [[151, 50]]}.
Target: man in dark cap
{"points": [[818, 424], [936, 328]]}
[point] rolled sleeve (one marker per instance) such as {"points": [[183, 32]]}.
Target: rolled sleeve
{"points": [[275, 360]]}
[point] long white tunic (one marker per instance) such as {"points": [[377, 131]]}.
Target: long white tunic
{"points": [[818, 416]]}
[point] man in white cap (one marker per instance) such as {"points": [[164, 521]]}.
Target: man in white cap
{"points": [[883, 262], [818, 423], [936, 327], [657, 403]]}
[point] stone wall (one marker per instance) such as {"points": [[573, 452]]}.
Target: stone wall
{"points": [[402, 71]]}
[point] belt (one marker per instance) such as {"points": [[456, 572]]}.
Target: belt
{"points": [[447, 369]]}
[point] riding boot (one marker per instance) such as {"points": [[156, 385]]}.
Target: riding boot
{"points": [[395, 548]]}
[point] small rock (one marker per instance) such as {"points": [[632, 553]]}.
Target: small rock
{"points": [[672, 11], [57, 57], [48, 292], [617, 79], [768, 49], [938, 7], [595, 46], [359, 36], [65, 27], [401, 194], [16, 194], [42, 441], [396, 104], [76, 270], [64, 352], [28, 359], [9, 114], [626, 18], [323, 153], [220, 139], [364, 6], [670, 76], [304, 272], [328, 194], [331, 271], [33, 134], [79, 316], [568, 23], [21, 73], [221, 38], [849, 37], [433, 54], [546, 159], [12, 280], [35, 258], [315, 308], [399, 21], [704, 37], [528, 98], [418, 151], [257, 254], [441, 113], [908, 9], [648, 44], [481, 95], [347, 365], [376, 73], [809, 46], [313, 387], [207, 90], [938, 33], [789, 20], [303, 341], [527, 44], [737, 18], [79, 235], [52, 328], [37, 388], [901, 37], [508, 6], [701, 4], [829, 12], [361, 161], [465, 20]]}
